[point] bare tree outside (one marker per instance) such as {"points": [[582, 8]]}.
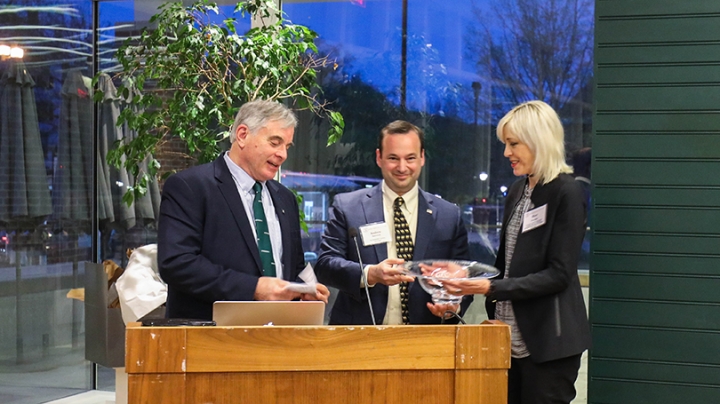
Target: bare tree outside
{"points": [[533, 49]]}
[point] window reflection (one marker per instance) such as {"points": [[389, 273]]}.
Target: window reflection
{"points": [[45, 201], [466, 64]]}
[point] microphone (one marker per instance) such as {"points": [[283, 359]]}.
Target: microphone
{"points": [[352, 232]]}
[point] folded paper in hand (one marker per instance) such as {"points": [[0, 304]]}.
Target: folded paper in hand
{"points": [[307, 275]]}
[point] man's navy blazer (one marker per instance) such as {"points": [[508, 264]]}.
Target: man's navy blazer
{"points": [[206, 247], [440, 234]]}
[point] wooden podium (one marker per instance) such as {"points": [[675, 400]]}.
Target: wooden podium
{"points": [[456, 364]]}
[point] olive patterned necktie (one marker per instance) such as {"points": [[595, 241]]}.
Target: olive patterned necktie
{"points": [[263, 234], [404, 247]]}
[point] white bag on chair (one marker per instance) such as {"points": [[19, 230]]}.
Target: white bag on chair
{"points": [[140, 288]]}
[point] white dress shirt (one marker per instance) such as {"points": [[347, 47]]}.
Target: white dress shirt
{"points": [[244, 183], [393, 313]]}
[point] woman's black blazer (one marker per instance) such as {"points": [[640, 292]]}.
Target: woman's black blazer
{"points": [[543, 282]]}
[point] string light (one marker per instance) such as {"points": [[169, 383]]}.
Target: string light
{"points": [[17, 53], [11, 52]]}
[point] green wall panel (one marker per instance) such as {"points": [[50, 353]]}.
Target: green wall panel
{"points": [[662, 122], [658, 220], [681, 196], [691, 28], [655, 253], [656, 263], [607, 9], [656, 313], [637, 75], [658, 287], [657, 344], [681, 98], [644, 172], [630, 391], [668, 145], [654, 244], [657, 372], [654, 55]]}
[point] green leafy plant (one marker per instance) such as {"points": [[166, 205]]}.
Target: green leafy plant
{"points": [[186, 78]]}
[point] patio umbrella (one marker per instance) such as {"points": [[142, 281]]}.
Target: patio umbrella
{"points": [[112, 181], [24, 193], [148, 205], [73, 182]]}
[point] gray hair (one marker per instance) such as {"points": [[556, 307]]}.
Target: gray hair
{"points": [[256, 114]]}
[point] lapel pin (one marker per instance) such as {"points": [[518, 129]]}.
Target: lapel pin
{"points": [[283, 211], [429, 211]]}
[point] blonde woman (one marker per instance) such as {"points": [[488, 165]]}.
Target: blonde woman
{"points": [[538, 292]]}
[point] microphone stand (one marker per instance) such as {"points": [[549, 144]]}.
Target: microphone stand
{"points": [[353, 234]]}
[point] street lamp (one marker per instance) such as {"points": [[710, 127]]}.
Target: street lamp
{"points": [[403, 58], [476, 86]]}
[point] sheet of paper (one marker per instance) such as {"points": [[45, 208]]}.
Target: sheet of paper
{"points": [[307, 275]]}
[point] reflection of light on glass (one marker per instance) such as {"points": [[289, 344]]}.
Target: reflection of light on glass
{"points": [[483, 176], [4, 50], [17, 53], [503, 189]]}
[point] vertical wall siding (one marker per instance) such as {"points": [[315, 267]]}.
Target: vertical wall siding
{"points": [[655, 269]]}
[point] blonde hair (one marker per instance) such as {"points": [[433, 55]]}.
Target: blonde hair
{"points": [[537, 125]]}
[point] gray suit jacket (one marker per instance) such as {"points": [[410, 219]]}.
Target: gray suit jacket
{"points": [[440, 235]]}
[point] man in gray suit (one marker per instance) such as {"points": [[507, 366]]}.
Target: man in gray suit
{"points": [[436, 231]]}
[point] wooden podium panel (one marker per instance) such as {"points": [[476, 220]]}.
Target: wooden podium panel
{"points": [[443, 364]]}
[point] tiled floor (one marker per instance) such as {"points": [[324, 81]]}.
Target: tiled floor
{"points": [[89, 397]]}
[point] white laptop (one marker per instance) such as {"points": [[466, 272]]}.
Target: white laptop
{"points": [[231, 313]]}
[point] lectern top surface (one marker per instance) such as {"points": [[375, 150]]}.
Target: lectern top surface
{"points": [[234, 313]]}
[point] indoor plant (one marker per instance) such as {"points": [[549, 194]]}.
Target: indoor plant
{"points": [[185, 78]]}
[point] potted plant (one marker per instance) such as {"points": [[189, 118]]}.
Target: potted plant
{"points": [[184, 80]]}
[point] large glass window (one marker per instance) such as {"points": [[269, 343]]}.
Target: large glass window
{"points": [[46, 196], [454, 69]]}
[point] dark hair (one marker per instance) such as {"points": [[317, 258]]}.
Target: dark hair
{"points": [[581, 162], [400, 128]]}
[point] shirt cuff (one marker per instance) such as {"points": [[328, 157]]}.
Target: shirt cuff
{"points": [[364, 277]]}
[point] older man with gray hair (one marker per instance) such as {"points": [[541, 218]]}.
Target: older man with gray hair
{"points": [[227, 230]]}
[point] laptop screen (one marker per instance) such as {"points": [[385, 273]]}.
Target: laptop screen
{"points": [[232, 313]]}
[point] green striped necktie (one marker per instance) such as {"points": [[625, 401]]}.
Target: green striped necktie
{"points": [[263, 234]]}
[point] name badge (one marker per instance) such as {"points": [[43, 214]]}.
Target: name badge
{"points": [[374, 233], [534, 218]]}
